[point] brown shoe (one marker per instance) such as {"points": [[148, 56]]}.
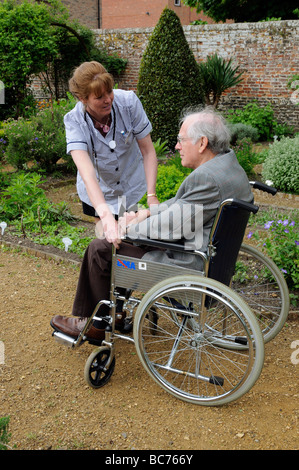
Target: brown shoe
{"points": [[72, 326]]}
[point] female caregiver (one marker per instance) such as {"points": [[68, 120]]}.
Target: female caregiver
{"points": [[108, 137]]}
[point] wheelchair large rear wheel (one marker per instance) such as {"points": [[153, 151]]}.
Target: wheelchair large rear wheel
{"points": [[193, 355], [261, 284]]}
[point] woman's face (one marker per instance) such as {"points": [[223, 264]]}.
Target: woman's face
{"points": [[99, 106]]}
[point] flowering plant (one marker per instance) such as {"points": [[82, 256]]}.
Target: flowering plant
{"points": [[280, 240]]}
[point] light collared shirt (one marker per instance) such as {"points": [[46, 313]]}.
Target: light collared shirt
{"points": [[120, 173]]}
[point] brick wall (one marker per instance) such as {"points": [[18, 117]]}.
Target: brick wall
{"points": [[267, 52]]}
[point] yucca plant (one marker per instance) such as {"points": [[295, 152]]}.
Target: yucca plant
{"points": [[218, 75]]}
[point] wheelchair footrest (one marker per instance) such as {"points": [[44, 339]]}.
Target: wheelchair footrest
{"points": [[64, 339]]}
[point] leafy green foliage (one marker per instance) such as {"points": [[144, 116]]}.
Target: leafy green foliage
{"points": [[24, 206], [218, 75], [241, 131], [245, 10], [169, 78], [279, 240], [40, 140], [281, 165], [161, 148], [246, 156], [261, 118], [38, 38], [169, 178], [23, 197], [76, 44], [4, 435], [54, 234], [26, 46]]}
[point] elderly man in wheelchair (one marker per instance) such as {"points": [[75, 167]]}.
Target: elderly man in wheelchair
{"points": [[181, 254]]}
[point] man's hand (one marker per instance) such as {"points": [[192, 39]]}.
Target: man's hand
{"points": [[132, 218]]}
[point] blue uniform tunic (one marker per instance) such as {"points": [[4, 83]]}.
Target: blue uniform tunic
{"points": [[120, 173]]}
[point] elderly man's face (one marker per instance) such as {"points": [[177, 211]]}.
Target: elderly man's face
{"points": [[189, 152], [192, 155]]}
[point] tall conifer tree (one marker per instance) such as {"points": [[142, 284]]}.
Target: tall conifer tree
{"points": [[169, 78]]}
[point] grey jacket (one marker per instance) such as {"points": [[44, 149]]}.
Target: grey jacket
{"points": [[190, 214]]}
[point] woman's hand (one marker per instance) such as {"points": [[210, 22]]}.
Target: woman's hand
{"points": [[152, 199], [111, 230]]}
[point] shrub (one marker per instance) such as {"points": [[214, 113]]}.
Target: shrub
{"points": [[161, 148], [169, 78], [241, 131], [17, 145], [282, 130], [169, 179], [48, 143], [26, 46], [254, 115], [246, 156], [41, 140], [281, 165], [3, 142]]}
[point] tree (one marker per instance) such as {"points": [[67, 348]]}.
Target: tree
{"points": [[39, 39], [26, 46], [76, 44], [217, 76], [246, 10], [169, 77]]}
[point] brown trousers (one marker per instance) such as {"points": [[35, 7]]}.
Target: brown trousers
{"points": [[94, 279]]}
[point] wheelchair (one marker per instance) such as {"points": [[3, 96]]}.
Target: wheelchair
{"points": [[195, 335]]}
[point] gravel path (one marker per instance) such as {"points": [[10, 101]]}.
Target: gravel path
{"points": [[51, 406], [42, 387]]}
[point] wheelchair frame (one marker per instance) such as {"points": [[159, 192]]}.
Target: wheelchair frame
{"points": [[195, 336], [198, 335]]}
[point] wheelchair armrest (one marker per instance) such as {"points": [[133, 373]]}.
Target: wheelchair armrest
{"points": [[263, 187], [158, 244]]}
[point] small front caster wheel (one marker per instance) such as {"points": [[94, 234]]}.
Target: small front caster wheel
{"points": [[95, 372]]}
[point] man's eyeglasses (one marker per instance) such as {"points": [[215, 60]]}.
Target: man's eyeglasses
{"points": [[181, 139]]}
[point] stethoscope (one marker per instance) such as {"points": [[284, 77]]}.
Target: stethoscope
{"points": [[112, 143]]}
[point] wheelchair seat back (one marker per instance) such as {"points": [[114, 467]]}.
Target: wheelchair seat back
{"points": [[226, 238]]}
